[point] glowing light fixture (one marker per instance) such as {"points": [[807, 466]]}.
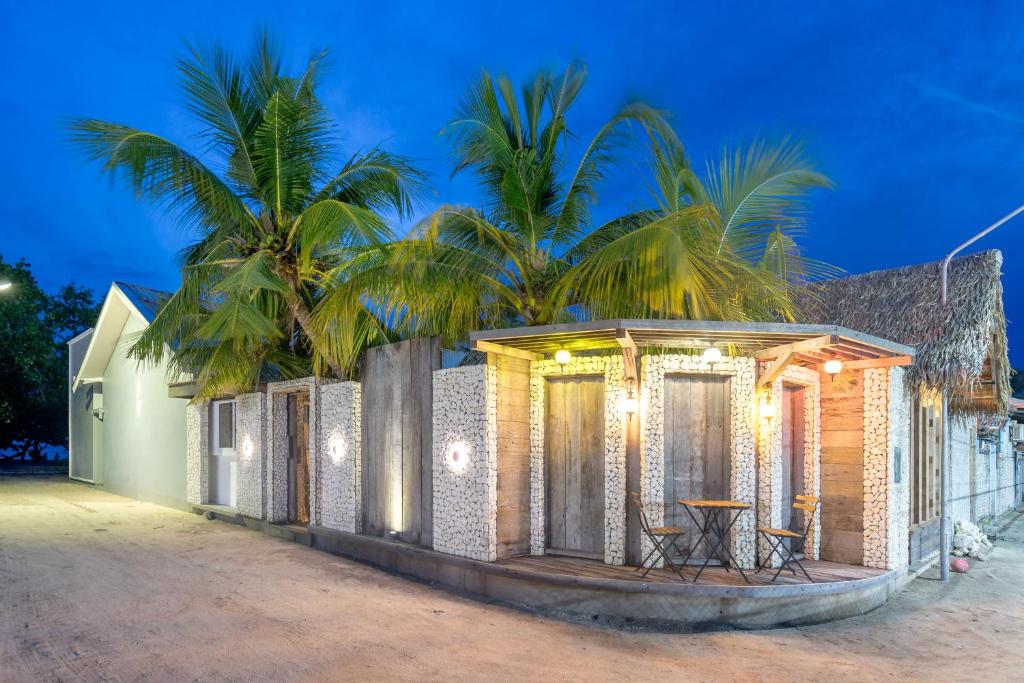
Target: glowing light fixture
{"points": [[457, 456], [712, 354], [767, 408], [336, 447], [629, 403], [5, 285], [833, 367], [562, 356]]}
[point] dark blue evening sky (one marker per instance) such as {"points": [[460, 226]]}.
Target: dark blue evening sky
{"points": [[914, 110]]}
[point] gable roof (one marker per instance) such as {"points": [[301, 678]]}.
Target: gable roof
{"points": [[961, 347], [123, 300]]}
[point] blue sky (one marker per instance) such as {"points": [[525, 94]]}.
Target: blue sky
{"points": [[914, 110]]}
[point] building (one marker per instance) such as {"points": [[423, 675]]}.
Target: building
{"points": [[126, 433], [961, 362]]}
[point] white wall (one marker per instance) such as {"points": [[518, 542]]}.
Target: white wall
{"points": [[143, 429]]}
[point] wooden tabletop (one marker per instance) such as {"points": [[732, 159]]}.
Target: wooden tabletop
{"points": [[724, 504]]}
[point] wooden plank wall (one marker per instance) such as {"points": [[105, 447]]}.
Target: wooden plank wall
{"points": [[397, 430], [842, 467], [513, 422]]}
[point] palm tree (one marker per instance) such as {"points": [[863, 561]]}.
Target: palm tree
{"points": [[715, 248], [274, 221]]}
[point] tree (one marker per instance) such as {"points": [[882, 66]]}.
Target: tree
{"points": [[276, 224], [34, 331], [718, 247]]}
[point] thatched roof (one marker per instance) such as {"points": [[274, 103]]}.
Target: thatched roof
{"points": [[960, 347]]}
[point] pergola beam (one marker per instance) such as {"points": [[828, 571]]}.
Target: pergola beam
{"points": [[867, 363], [629, 354], [775, 368], [812, 344], [511, 351]]}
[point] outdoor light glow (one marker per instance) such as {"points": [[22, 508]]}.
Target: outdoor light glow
{"points": [[833, 367], [336, 447], [711, 355], [562, 356], [767, 408], [5, 285], [629, 404], [247, 448], [457, 456]]}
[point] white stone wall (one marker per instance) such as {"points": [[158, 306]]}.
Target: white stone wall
{"points": [[899, 486], [877, 470], [741, 370], [983, 483], [961, 432], [250, 435], [465, 462], [197, 449], [277, 438], [1005, 474], [338, 464], [614, 442]]}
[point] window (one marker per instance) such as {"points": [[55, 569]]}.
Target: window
{"points": [[926, 454], [223, 427]]}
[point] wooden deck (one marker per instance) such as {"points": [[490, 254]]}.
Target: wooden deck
{"points": [[822, 572]]}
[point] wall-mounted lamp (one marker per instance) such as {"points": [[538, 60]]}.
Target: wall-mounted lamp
{"points": [[833, 367], [712, 354], [767, 408], [629, 403], [457, 456], [247, 448], [562, 356], [336, 448]]}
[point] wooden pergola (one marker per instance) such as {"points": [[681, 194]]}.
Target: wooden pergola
{"points": [[777, 344]]}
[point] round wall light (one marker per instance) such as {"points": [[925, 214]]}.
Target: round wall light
{"points": [[562, 356], [712, 354], [336, 448], [833, 367], [457, 456]]}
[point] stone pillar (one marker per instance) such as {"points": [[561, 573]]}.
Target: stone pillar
{"points": [[876, 468], [197, 451], [465, 462], [899, 471], [250, 440], [338, 463]]}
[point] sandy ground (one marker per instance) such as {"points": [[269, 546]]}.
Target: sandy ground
{"points": [[97, 587]]}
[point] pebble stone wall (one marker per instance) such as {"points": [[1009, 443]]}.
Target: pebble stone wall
{"points": [[197, 448], [962, 440], [338, 465], [877, 469], [277, 437], [611, 367], [250, 435], [465, 461], [1005, 474], [899, 486], [653, 368], [770, 502]]}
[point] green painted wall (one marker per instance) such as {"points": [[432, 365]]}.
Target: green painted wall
{"points": [[143, 430]]}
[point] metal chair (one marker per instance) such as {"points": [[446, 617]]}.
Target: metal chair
{"points": [[777, 538], [663, 538]]}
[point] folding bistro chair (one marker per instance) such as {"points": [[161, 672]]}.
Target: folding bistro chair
{"points": [[777, 538], [663, 538]]}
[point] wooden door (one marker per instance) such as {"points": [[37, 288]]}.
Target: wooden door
{"points": [[792, 456], [697, 445], [574, 466], [298, 458]]}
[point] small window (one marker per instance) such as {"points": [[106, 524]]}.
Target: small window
{"points": [[225, 424]]}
